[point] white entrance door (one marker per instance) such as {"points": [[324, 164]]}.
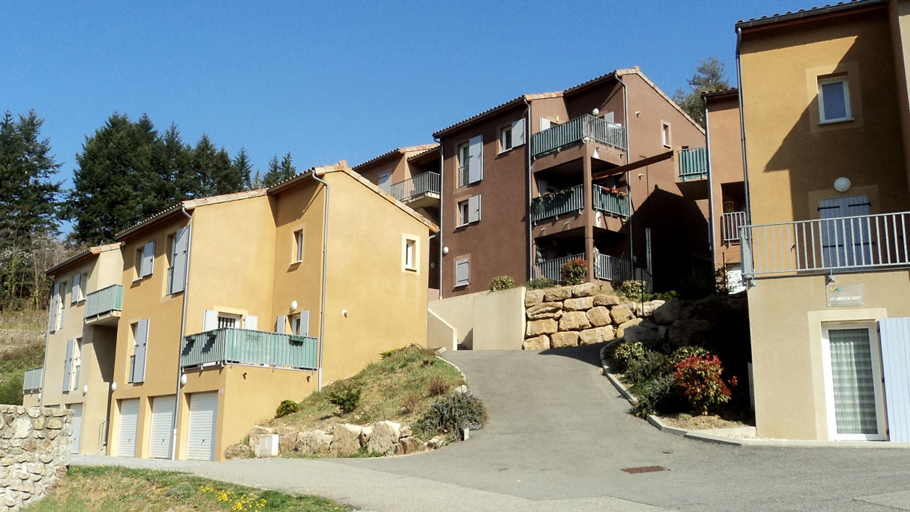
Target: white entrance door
{"points": [[853, 379], [200, 443], [129, 428], [77, 427], [160, 440]]}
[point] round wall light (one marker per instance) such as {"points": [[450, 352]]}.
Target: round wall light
{"points": [[293, 305], [445, 250], [595, 111], [85, 389], [842, 184], [113, 386], [183, 380]]}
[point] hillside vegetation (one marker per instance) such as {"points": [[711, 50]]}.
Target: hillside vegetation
{"points": [[21, 348]]}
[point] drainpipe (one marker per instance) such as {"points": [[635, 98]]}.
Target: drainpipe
{"points": [[625, 102], [186, 285], [712, 224], [742, 125], [442, 188], [530, 189], [325, 242], [47, 335]]}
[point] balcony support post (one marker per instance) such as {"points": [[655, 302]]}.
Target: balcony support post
{"points": [[588, 213]]}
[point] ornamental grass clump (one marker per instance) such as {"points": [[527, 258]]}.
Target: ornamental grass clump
{"points": [[573, 271], [698, 379], [451, 413]]}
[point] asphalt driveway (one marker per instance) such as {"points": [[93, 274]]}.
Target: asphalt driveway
{"points": [[559, 438]]}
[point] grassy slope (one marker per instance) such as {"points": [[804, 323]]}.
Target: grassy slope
{"points": [[396, 388], [122, 489], [21, 348]]}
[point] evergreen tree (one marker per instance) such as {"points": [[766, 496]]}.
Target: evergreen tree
{"points": [[171, 166], [279, 172], [709, 76], [244, 169]]}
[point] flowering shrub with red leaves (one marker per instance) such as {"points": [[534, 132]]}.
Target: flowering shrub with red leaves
{"points": [[573, 272], [698, 379]]}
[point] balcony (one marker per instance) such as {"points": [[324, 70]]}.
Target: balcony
{"points": [[33, 380], [551, 269], [611, 268], [420, 191], [558, 203], [241, 346], [729, 226], [611, 202], [575, 131], [860, 243], [103, 307], [693, 163]]}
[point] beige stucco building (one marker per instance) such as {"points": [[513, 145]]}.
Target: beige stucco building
{"points": [[824, 105], [231, 304]]}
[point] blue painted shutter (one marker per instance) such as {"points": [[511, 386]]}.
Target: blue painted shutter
{"points": [[77, 289], [281, 324], [461, 272], [304, 328], [68, 365], [181, 244], [141, 348], [148, 260], [52, 322], [475, 159], [209, 320], [518, 133], [895, 336], [473, 208]]}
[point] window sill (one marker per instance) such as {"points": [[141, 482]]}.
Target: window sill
{"points": [[294, 264], [836, 121], [410, 269]]}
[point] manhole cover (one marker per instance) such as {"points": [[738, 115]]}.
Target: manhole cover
{"points": [[644, 469]]}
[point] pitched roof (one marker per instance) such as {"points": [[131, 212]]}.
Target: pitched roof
{"points": [[80, 256], [717, 93], [399, 151], [807, 13]]}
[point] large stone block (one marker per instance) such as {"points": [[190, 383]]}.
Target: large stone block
{"points": [[536, 343], [638, 333], [385, 438], [595, 335], [599, 316], [606, 299], [545, 310], [53, 424], [564, 339], [573, 321], [545, 326], [534, 297], [557, 294], [621, 329], [585, 290], [621, 315], [580, 304], [347, 439], [313, 441], [668, 312], [409, 445]]}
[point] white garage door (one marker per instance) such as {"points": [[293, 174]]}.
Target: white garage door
{"points": [[129, 427], [77, 427], [162, 427], [201, 432]]}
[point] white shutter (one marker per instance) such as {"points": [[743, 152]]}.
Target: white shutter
{"points": [[473, 208], [140, 351], [461, 272], [304, 327], [68, 366], [77, 289], [181, 245], [518, 133], [129, 427], [608, 117], [161, 437], [544, 124], [148, 260], [281, 324], [475, 159], [251, 322], [200, 442], [77, 427], [52, 323], [385, 182], [895, 340], [209, 320]]}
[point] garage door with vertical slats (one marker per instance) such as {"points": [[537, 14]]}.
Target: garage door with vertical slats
{"points": [[129, 428], [161, 437], [77, 427], [201, 431]]}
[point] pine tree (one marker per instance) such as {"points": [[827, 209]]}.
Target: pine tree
{"points": [[244, 169], [279, 172], [709, 76]]}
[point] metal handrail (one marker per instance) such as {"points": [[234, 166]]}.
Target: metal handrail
{"points": [[856, 243], [417, 186], [693, 163], [557, 203], [611, 268], [614, 203], [224, 346], [552, 269], [730, 224], [577, 130], [103, 301]]}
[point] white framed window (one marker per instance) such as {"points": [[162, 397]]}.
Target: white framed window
{"points": [[77, 293], [298, 246], [505, 138], [665, 134], [145, 260], [853, 381], [300, 324], [834, 99], [77, 363], [468, 211], [463, 213], [462, 272], [410, 254], [228, 321], [464, 163]]}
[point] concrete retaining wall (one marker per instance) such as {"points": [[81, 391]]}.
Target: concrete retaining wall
{"points": [[482, 321]]}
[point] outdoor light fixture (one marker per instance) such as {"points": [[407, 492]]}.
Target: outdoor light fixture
{"points": [[595, 111], [344, 312], [183, 379], [842, 184], [445, 250], [293, 305], [85, 389], [113, 386]]}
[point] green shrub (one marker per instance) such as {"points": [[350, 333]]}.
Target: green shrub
{"points": [[455, 411], [574, 271], [286, 407], [540, 283], [659, 397], [685, 352], [11, 392], [649, 365], [698, 379], [632, 289], [345, 395], [500, 283], [626, 353]]}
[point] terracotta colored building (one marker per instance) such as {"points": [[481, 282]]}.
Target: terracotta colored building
{"points": [[588, 172], [827, 124]]}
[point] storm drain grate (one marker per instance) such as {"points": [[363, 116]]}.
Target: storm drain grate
{"points": [[644, 469]]}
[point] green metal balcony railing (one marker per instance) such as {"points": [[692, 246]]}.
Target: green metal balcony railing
{"points": [[426, 183], [223, 346], [105, 300], [33, 380], [608, 201], [576, 130], [558, 203], [693, 163]]}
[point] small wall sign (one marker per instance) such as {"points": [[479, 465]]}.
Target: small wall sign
{"points": [[844, 294]]}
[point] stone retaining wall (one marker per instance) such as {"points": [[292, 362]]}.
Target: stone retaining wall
{"points": [[566, 316], [34, 452]]}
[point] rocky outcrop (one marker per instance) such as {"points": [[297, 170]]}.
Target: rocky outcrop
{"points": [[385, 438]]}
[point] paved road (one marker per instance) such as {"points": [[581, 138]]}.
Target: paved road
{"points": [[558, 439]]}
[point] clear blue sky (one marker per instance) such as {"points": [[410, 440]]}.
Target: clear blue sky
{"points": [[332, 80]]}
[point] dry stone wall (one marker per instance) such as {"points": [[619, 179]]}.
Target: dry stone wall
{"points": [[34, 453], [567, 316]]}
